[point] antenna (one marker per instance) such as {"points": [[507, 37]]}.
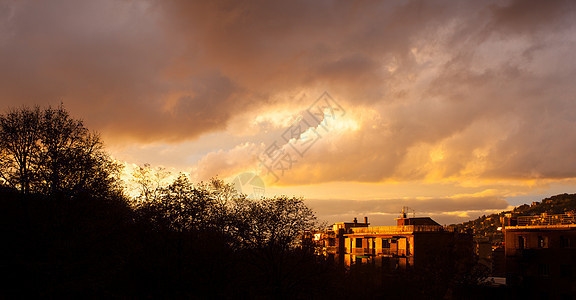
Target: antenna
{"points": [[405, 210]]}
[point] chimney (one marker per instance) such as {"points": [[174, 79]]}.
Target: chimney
{"points": [[365, 220]]}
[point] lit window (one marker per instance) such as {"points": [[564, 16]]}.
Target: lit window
{"points": [[542, 242]]}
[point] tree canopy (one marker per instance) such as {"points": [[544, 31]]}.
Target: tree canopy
{"points": [[47, 151], [215, 206]]}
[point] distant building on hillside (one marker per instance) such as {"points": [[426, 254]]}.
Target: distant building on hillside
{"points": [[541, 256], [412, 242]]}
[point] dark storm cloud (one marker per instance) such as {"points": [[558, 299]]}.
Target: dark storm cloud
{"points": [[111, 63], [529, 16]]}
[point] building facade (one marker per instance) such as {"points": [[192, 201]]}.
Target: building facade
{"points": [[411, 243], [541, 256]]}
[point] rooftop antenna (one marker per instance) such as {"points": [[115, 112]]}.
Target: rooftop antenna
{"points": [[405, 210]]}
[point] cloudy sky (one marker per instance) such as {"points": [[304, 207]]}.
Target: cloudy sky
{"points": [[453, 108]]}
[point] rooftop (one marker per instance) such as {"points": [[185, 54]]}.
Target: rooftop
{"points": [[546, 219], [396, 229]]}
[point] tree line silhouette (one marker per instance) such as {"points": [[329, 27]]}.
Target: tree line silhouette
{"points": [[69, 229]]}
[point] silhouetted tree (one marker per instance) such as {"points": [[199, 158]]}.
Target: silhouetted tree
{"points": [[49, 152], [148, 182], [278, 222], [269, 231], [179, 240], [216, 206], [179, 207], [19, 148]]}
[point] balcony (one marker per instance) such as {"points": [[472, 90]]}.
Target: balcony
{"points": [[362, 251], [393, 252], [406, 229], [387, 252]]}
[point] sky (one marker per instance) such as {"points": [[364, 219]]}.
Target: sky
{"points": [[452, 108]]}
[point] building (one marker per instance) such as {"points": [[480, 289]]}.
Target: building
{"points": [[411, 243], [540, 256]]}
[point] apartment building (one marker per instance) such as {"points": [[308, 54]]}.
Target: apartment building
{"points": [[541, 256], [411, 243]]}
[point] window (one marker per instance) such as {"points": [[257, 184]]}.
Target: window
{"points": [[542, 242], [566, 271], [358, 242], [543, 270], [386, 243], [521, 242], [564, 242]]}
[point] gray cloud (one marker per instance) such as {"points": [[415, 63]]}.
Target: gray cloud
{"points": [[490, 82], [532, 16]]}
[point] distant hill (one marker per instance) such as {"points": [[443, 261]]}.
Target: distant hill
{"points": [[487, 226]]}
